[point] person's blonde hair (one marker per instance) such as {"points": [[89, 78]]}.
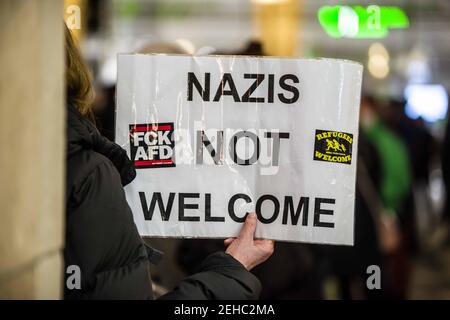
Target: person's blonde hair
{"points": [[80, 92]]}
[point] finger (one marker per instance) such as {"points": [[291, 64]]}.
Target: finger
{"points": [[249, 227], [228, 241]]}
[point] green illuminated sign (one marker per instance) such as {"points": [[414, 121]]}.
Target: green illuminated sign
{"points": [[360, 22]]}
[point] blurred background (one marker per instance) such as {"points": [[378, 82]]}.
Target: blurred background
{"points": [[402, 208]]}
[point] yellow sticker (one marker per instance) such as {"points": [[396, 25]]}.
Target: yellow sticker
{"points": [[333, 146]]}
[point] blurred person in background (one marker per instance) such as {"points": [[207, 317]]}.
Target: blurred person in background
{"points": [[415, 135], [393, 154], [347, 265], [101, 237], [395, 196], [421, 149]]}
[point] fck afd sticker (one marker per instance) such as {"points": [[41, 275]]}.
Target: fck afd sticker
{"points": [[152, 145], [333, 146]]}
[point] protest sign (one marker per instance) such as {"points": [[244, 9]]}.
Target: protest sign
{"points": [[215, 137]]}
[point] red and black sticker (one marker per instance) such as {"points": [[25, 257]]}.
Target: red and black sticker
{"points": [[333, 146], [152, 145]]}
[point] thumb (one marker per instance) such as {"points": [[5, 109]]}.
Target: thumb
{"points": [[228, 241], [249, 227]]}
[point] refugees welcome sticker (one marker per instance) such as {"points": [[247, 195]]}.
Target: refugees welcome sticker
{"points": [[333, 146]]}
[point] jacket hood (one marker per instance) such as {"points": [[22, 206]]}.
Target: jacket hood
{"points": [[83, 135]]}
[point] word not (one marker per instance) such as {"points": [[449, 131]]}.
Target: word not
{"points": [[245, 147]]}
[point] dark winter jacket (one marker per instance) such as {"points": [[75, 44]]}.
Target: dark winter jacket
{"points": [[102, 239]]}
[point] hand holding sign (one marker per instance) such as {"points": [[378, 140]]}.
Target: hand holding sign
{"points": [[246, 249]]}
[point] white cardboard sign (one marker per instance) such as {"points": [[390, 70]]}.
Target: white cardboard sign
{"points": [[215, 137]]}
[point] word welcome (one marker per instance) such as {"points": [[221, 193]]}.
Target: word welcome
{"points": [[284, 209]]}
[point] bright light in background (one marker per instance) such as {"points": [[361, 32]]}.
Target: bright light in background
{"points": [[429, 101], [378, 63], [358, 22], [348, 22]]}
